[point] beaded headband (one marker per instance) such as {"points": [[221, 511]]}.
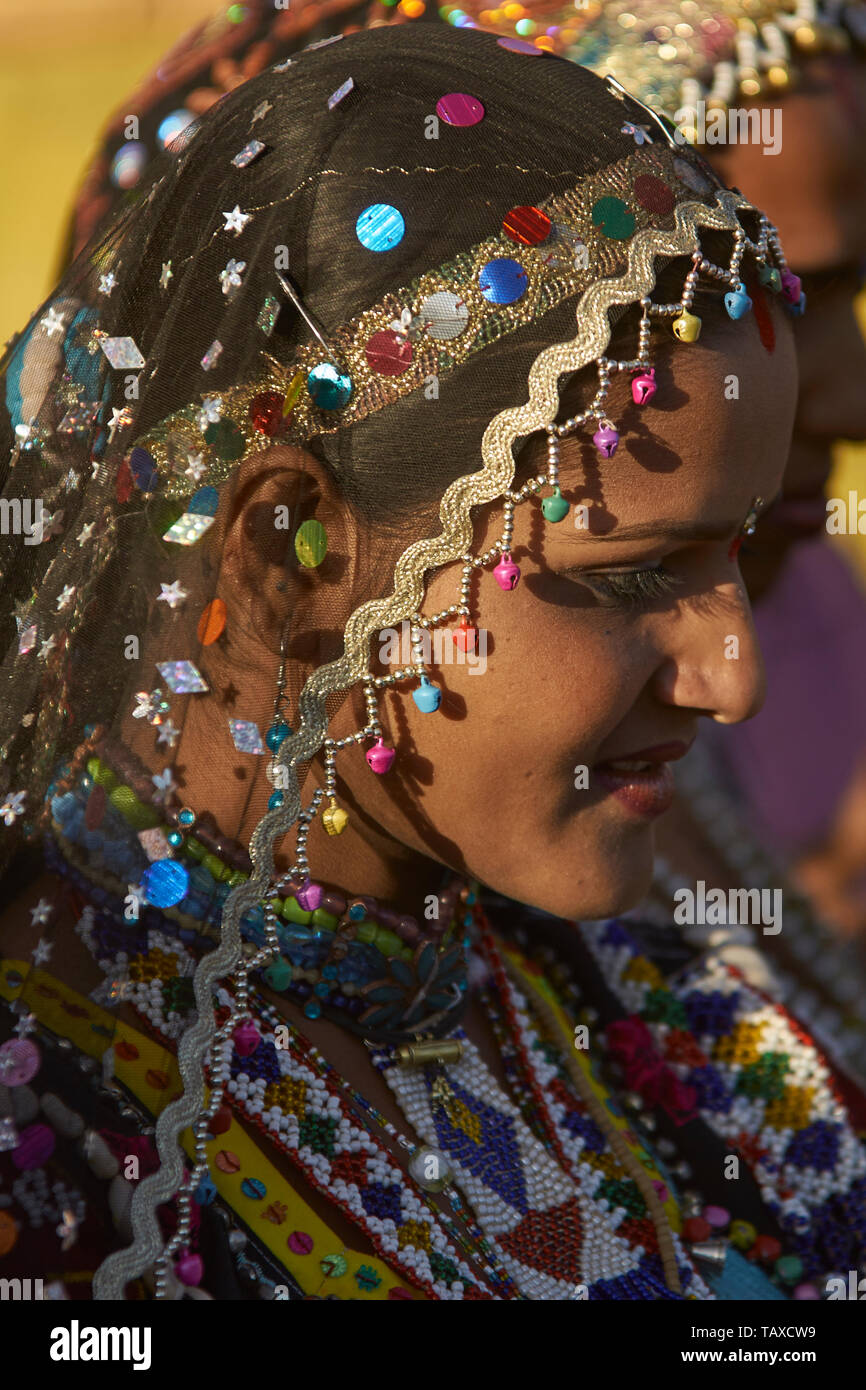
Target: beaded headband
{"points": [[540, 257]]}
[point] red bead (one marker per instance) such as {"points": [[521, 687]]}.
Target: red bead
{"points": [[266, 413], [697, 1228], [221, 1121], [766, 1248]]}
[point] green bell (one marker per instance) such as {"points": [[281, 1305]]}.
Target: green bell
{"points": [[555, 506]]}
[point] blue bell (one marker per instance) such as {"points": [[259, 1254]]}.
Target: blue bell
{"points": [[798, 309], [737, 303], [427, 697]]}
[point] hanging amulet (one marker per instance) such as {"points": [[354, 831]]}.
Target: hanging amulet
{"points": [[334, 819]]}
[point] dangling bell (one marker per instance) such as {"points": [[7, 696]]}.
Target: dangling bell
{"points": [[606, 440], [335, 819], [737, 303], [555, 506], [466, 637], [380, 757], [643, 386], [687, 327], [768, 275], [506, 573], [427, 696], [430, 1168], [791, 286]]}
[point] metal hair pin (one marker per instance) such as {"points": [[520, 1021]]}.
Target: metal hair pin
{"points": [[674, 144], [313, 325]]}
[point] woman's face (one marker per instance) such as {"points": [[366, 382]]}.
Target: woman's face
{"points": [[543, 772]]}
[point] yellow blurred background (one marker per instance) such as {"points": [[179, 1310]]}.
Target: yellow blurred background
{"points": [[64, 69]]}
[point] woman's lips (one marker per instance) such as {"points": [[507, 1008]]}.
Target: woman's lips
{"points": [[643, 782]]}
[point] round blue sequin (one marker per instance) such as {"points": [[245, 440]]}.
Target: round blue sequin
{"points": [[503, 280], [204, 502], [380, 227], [329, 388], [165, 883]]}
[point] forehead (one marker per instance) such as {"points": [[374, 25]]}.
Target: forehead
{"points": [[814, 189], [716, 433]]}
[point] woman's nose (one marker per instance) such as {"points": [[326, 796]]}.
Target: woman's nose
{"points": [[713, 665]]}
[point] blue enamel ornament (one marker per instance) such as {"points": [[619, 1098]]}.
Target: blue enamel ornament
{"points": [[737, 303], [427, 697]]}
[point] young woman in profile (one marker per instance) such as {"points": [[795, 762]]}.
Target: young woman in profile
{"points": [[377, 351]]}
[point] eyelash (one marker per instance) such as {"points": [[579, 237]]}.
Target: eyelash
{"points": [[632, 588]]}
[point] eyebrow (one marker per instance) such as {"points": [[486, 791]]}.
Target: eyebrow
{"points": [[685, 530]]}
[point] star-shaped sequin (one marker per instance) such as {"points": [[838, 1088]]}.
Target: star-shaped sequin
{"points": [[72, 480], [47, 647], [64, 597], [196, 468], [53, 322], [210, 412], [85, 533], [261, 111], [165, 275], [52, 525], [107, 283], [164, 785], [640, 132], [40, 913], [67, 1230], [42, 952], [119, 418], [167, 733], [150, 706], [172, 594], [230, 277], [236, 220]]}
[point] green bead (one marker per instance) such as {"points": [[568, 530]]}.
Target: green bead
{"points": [[555, 506], [293, 912], [195, 849], [101, 774], [279, 975], [226, 439], [236, 877], [311, 543], [321, 918], [366, 932], [789, 1268], [135, 812], [216, 867], [388, 942]]}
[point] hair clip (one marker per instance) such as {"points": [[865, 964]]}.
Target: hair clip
{"points": [[312, 323]]}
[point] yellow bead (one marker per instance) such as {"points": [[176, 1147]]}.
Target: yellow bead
{"points": [[742, 1234], [687, 327], [335, 819]]}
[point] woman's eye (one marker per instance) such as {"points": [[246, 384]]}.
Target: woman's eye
{"points": [[631, 588]]}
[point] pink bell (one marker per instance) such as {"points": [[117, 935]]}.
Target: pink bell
{"points": [[506, 573], [466, 637], [380, 757], [189, 1269], [643, 386], [791, 287], [606, 440], [309, 897], [246, 1038]]}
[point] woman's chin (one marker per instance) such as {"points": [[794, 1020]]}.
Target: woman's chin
{"points": [[612, 885]]}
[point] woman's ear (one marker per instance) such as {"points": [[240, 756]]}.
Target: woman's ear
{"points": [[264, 577]]}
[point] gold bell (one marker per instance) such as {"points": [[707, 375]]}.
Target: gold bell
{"points": [[687, 327], [334, 819]]}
